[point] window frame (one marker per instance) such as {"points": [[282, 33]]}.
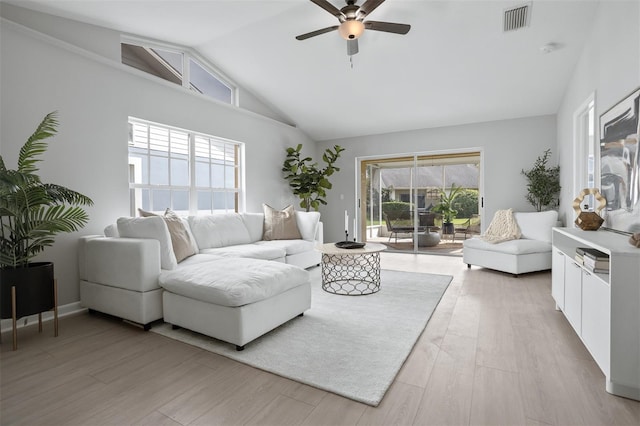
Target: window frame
{"points": [[586, 149], [236, 191], [187, 55]]}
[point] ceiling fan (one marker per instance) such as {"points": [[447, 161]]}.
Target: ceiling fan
{"points": [[352, 23]]}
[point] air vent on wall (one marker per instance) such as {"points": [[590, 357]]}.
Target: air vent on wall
{"points": [[517, 17]]}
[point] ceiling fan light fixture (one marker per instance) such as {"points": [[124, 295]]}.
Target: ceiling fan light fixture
{"points": [[351, 29]]}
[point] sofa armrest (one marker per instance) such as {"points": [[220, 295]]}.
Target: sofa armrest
{"points": [[128, 263], [319, 238]]}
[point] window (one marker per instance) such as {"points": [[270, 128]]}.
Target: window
{"points": [[584, 148], [178, 66], [186, 171]]}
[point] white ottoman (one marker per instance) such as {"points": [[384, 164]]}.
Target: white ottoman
{"points": [[234, 299]]}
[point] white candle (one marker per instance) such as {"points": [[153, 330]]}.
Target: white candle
{"points": [[346, 221], [354, 228]]}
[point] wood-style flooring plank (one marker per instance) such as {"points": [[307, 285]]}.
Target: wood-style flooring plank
{"points": [[447, 398], [496, 398], [335, 410], [281, 411]]}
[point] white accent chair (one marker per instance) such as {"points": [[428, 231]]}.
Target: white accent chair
{"points": [[531, 252]]}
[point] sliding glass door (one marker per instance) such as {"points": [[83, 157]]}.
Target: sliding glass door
{"points": [[421, 203]]}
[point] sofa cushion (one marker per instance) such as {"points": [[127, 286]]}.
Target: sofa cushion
{"points": [[280, 224], [255, 224], [233, 282], [219, 230], [253, 251], [111, 231], [308, 224], [516, 247], [150, 227], [288, 246], [536, 225]]}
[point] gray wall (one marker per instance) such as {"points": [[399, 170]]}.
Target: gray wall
{"points": [[94, 97], [508, 147], [609, 66]]}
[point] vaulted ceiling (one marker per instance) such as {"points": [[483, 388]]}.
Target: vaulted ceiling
{"points": [[455, 66]]}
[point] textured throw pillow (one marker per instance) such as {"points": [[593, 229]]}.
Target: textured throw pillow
{"points": [[180, 240], [280, 224], [182, 246]]}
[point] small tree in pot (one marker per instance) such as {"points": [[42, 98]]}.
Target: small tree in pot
{"points": [[305, 178], [31, 214], [543, 187]]}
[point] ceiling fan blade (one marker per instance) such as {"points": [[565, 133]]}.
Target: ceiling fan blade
{"points": [[316, 32], [388, 27], [329, 8], [368, 7], [352, 47]]}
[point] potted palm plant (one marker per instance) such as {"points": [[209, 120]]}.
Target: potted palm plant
{"points": [[31, 214], [446, 207]]}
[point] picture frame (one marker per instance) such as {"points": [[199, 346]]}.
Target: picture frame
{"points": [[620, 164]]}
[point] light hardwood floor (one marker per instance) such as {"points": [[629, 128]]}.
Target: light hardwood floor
{"points": [[494, 352]]}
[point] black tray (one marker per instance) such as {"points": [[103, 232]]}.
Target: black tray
{"points": [[349, 244]]}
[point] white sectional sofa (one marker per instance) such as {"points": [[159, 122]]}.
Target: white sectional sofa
{"points": [[235, 288], [531, 252]]}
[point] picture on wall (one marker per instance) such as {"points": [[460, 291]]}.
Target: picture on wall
{"points": [[620, 164]]}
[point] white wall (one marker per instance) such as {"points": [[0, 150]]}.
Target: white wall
{"points": [[94, 97], [508, 146], [609, 66]]}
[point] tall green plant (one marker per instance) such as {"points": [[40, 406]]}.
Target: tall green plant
{"points": [[446, 204], [306, 179], [543, 187], [32, 212]]}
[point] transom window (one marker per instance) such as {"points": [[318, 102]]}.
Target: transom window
{"points": [[185, 171], [178, 66]]}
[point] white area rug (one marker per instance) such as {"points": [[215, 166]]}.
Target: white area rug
{"points": [[349, 345]]}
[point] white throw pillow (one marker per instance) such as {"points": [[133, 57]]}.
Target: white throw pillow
{"points": [[308, 224], [536, 225], [254, 223], [153, 227]]}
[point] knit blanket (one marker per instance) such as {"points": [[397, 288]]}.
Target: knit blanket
{"points": [[503, 227]]}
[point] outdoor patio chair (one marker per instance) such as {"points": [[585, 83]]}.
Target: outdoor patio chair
{"points": [[470, 227], [400, 229]]}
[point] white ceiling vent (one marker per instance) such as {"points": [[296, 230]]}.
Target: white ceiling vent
{"points": [[517, 17]]}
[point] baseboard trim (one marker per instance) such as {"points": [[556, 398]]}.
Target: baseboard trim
{"points": [[63, 311]]}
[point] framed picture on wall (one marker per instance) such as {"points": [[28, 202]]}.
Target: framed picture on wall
{"points": [[620, 164]]}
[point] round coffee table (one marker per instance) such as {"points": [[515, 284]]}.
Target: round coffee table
{"points": [[351, 272]]}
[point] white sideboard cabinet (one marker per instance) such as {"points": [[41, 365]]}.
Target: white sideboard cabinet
{"points": [[603, 309]]}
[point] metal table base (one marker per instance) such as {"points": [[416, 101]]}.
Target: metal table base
{"points": [[354, 274]]}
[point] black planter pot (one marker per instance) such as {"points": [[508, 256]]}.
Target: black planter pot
{"points": [[34, 289], [447, 228]]}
